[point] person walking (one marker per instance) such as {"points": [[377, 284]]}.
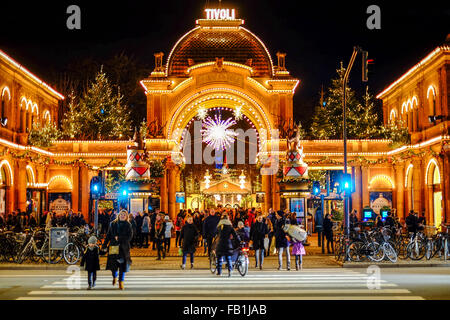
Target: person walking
{"points": [[281, 242], [132, 221], [258, 232], [139, 221], [210, 228], [298, 251], [167, 233], [145, 230], [118, 240], [178, 226], [91, 261], [226, 234], [160, 228], [328, 232], [189, 236]]}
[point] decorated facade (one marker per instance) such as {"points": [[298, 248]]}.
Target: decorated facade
{"points": [[221, 69]]}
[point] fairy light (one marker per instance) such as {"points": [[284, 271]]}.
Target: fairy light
{"points": [[407, 174], [60, 177], [238, 113], [202, 113], [431, 88], [207, 179], [382, 177], [242, 180], [432, 161]]}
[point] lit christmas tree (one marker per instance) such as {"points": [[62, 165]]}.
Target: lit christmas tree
{"points": [[99, 114]]}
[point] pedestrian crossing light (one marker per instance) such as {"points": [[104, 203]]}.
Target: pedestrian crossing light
{"points": [[347, 182], [365, 65], [316, 188], [96, 186]]}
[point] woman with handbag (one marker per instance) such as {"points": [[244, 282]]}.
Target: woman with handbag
{"points": [[189, 238], [258, 233], [118, 238]]}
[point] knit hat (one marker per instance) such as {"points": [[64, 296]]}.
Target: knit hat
{"points": [[92, 240], [280, 213]]}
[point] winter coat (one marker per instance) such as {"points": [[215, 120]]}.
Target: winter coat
{"points": [[168, 232], [328, 228], [91, 260], [280, 235], [189, 236], [145, 225], [124, 231], [139, 221], [258, 232], [297, 248], [160, 230], [210, 226], [225, 232]]}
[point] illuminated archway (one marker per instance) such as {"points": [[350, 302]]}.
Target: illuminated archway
{"points": [[31, 178], [9, 173], [381, 181], [59, 183]]}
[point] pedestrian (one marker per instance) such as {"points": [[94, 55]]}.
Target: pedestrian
{"points": [[133, 227], [269, 224], [160, 228], [91, 261], [167, 233], [226, 234], [152, 228], [411, 222], [145, 230], [210, 228], [421, 221], [379, 221], [178, 226], [258, 232], [281, 242], [139, 221], [189, 236], [118, 240], [328, 232], [298, 251]]}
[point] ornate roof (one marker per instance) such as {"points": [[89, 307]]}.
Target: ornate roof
{"points": [[206, 43]]}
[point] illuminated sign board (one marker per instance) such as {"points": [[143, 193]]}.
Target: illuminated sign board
{"points": [[220, 14]]}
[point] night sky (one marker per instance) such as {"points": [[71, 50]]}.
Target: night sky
{"points": [[316, 35]]}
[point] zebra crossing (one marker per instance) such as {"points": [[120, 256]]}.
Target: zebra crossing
{"points": [[202, 285]]}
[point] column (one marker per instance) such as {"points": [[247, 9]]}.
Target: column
{"points": [[171, 186], [275, 193], [75, 189], [417, 186], [365, 186], [445, 183], [84, 192], [20, 181], [400, 190], [163, 193], [357, 195], [266, 189]]}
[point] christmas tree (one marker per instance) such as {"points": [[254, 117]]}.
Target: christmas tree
{"points": [[98, 114], [42, 136], [327, 119], [364, 124]]}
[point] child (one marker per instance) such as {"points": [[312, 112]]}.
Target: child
{"points": [[92, 261], [298, 250]]}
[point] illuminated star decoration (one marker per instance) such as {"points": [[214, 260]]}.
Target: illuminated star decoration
{"points": [[202, 113], [216, 132]]}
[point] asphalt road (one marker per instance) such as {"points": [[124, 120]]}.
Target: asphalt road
{"points": [[308, 284]]}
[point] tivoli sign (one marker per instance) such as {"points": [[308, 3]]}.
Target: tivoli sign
{"points": [[220, 14]]}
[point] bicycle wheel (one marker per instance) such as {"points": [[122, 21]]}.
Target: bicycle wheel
{"points": [[389, 252], [417, 250], [51, 256], [354, 251], [446, 249], [376, 252], [71, 253], [429, 249], [20, 257], [243, 265], [212, 262]]}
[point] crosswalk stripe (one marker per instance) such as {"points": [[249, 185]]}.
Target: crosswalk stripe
{"points": [[208, 292]]}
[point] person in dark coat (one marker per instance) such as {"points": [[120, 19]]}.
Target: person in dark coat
{"points": [[133, 227], [160, 231], [412, 222], [119, 234], [328, 232], [152, 228], [226, 234], [210, 228], [139, 221], [91, 261], [189, 237], [281, 242], [258, 232]]}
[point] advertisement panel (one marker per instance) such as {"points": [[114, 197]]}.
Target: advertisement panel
{"points": [[379, 200], [60, 202]]}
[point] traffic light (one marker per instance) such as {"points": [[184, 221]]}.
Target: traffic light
{"points": [[316, 188], [346, 183], [96, 186], [365, 65]]}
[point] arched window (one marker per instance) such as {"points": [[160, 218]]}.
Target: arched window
{"points": [[5, 106], [431, 97]]}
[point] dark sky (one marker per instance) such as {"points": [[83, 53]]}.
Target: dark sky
{"points": [[316, 35]]}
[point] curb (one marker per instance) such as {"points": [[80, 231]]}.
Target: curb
{"points": [[412, 265]]}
